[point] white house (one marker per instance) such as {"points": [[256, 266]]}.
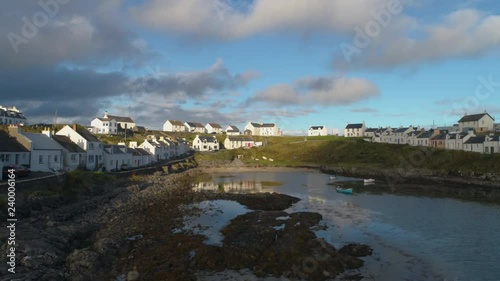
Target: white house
{"points": [[183, 146], [475, 144], [401, 134], [194, 127], [12, 152], [234, 142], [74, 156], [203, 143], [317, 131], [370, 132], [174, 126], [424, 139], [355, 130], [104, 125], [88, 141], [492, 144], [46, 154], [123, 122], [213, 128], [116, 157], [158, 150], [262, 129], [140, 157], [12, 116], [411, 137], [482, 122], [456, 141], [232, 131]]}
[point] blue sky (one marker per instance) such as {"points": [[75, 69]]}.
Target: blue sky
{"points": [[273, 61]]}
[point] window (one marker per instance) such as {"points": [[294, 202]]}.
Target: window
{"points": [[73, 157], [100, 157], [40, 159], [55, 158], [91, 146], [111, 163], [91, 158]]}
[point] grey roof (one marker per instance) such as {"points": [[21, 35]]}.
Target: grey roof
{"points": [[425, 135], [176, 122], [113, 149], [10, 144], [371, 130], [233, 129], [195, 125], [142, 151], [262, 125], [105, 119], [439, 137], [86, 134], [215, 125], [66, 142], [42, 141], [121, 119], [316, 128], [240, 138], [474, 140], [473, 117], [354, 126], [207, 139], [401, 130], [12, 114], [495, 138]]}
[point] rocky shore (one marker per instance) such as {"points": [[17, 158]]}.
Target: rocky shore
{"points": [[130, 233]]}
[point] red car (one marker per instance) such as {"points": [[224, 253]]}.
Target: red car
{"points": [[19, 171]]}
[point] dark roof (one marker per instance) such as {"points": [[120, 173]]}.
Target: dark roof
{"points": [[207, 139], [233, 129], [472, 140], [105, 119], [10, 144], [66, 142], [371, 130], [439, 137], [240, 138], [354, 126], [114, 149], [425, 135], [401, 130], [495, 138], [86, 134], [473, 117], [176, 122], [215, 125], [261, 125], [11, 113], [316, 128], [195, 125], [121, 118], [142, 151]]}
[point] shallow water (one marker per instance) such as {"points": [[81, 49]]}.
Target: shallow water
{"points": [[414, 237]]}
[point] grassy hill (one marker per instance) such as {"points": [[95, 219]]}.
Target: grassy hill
{"points": [[339, 151]]}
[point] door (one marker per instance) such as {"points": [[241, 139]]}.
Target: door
{"points": [[17, 159]]}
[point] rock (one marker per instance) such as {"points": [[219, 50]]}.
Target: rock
{"points": [[51, 224], [132, 275], [356, 250]]}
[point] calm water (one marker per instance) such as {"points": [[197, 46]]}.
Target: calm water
{"points": [[414, 238]]}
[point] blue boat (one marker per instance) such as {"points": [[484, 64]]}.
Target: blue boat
{"points": [[344, 190]]}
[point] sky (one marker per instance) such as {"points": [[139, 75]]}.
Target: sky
{"points": [[298, 63]]}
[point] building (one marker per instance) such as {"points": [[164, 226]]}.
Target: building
{"points": [[116, 158], [74, 156], [205, 143], [424, 139], [232, 131], [355, 130], [88, 141], [140, 157], [12, 152], [122, 122], [482, 122], [456, 141], [12, 116], [439, 140], [46, 155], [213, 128], [492, 144], [401, 135], [317, 131], [194, 127], [475, 144], [370, 132], [104, 125], [234, 142], [262, 129], [174, 126]]}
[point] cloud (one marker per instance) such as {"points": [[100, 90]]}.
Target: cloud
{"points": [[322, 91], [364, 109], [239, 19], [463, 33]]}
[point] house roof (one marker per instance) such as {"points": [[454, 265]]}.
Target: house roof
{"points": [[207, 139], [371, 130], [66, 142], [473, 117], [11, 113], [195, 125], [142, 151], [176, 122], [105, 119], [474, 140], [10, 144], [262, 125], [86, 134], [215, 125], [425, 135], [495, 138], [233, 129], [354, 126], [240, 138], [114, 149], [439, 137], [42, 141], [121, 118], [316, 128], [401, 130]]}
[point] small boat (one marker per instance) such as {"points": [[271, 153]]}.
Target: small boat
{"points": [[369, 180], [333, 177], [344, 190]]}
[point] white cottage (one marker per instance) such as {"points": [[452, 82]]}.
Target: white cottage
{"points": [[123, 122], [492, 144], [104, 125], [12, 152], [74, 156], [203, 143], [12, 116], [355, 130], [213, 128], [456, 141], [317, 131], [234, 142], [174, 126], [262, 129], [88, 141], [475, 144], [482, 122], [232, 131]]}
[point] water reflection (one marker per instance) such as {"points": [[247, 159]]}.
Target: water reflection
{"points": [[246, 186]]}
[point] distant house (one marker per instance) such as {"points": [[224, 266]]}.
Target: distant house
{"points": [[401, 134], [141, 157], [450, 129], [139, 129], [234, 142], [317, 131], [262, 129], [492, 144], [424, 139], [497, 127], [104, 125], [174, 126], [116, 157], [194, 127], [12, 116], [205, 143], [213, 128], [88, 141], [370, 132], [155, 149], [411, 137], [475, 144], [232, 131], [439, 140], [355, 130], [482, 122], [12, 152], [46, 154], [123, 122], [455, 141], [74, 156]]}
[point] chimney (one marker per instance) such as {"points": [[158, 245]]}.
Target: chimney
{"points": [[74, 127], [47, 132], [105, 114], [14, 130]]}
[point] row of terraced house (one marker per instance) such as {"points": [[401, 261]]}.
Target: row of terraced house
{"points": [[474, 133]]}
